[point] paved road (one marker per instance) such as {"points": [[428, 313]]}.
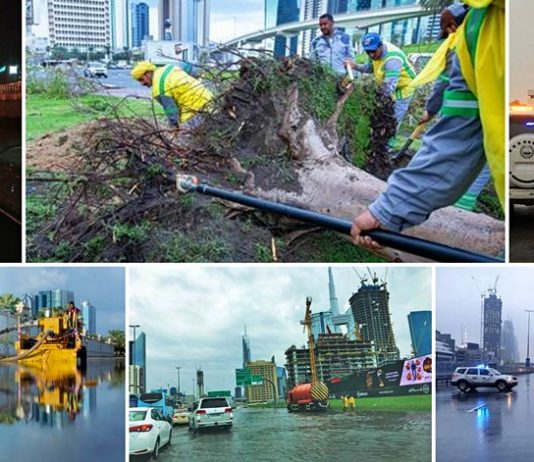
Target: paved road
{"points": [[269, 435], [522, 234], [499, 431]]}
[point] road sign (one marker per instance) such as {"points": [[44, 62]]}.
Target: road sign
{"points": [[225, 393], [256, 380], [243, 377]]}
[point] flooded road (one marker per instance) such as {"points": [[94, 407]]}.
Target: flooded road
{"points": [[63, 414], [274, 434], [498, 430]]}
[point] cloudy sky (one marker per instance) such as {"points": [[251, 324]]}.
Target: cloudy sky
{"points": [[521, 49], [458, 299], [235, 18], [103, 287], [195, 316]]}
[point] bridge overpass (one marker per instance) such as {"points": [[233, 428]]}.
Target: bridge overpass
{"points": [[358, 19]]}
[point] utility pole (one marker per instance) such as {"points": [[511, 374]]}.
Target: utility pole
{"points": [[178, 370], [527, 361]]}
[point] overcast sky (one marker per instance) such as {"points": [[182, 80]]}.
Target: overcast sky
{"points": [[458, 299], [194, 316], [235, 18], [103, 287], [521, 49]]}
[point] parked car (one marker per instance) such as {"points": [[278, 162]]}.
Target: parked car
{"points": [[95, 70], [471, 378], [211, 412], [149, 431], [180, 416]]}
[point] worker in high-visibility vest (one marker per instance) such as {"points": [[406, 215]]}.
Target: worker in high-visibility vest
{"points": [[391, 69], [469, 133], [183, 97]]}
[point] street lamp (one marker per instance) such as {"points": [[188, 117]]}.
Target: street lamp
{"points": [[527, 361], [134, 326], [178, 370]]}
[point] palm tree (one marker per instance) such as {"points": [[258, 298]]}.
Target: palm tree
{"points": [[8, 302]]}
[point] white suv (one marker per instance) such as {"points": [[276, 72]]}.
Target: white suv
{"points": [[211, 412], [471, 378], [95, 70]]}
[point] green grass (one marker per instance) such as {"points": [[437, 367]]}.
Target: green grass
{"points": [[46, 115], [411, 403], [330, 247]]}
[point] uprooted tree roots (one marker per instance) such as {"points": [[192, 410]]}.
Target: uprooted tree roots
{"points": [[283, 130]]}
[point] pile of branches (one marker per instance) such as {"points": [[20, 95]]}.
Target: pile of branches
{"points": [[120, 187]]}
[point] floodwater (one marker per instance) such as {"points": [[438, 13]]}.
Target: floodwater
{"points": [[275, 434], [62, 415], [500, 429]]}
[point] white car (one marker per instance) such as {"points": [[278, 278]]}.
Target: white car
{"points": [[211, 412], [471, 378], [95, 70], [149, 431]]}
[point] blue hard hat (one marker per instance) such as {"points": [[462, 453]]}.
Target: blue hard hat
{"points": [[371, 41]]}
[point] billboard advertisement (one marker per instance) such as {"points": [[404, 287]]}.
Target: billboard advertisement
{"points": [[391, 379], [416, 371]]}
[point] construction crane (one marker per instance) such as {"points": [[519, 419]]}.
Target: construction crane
{"points": [[363, 279], [307, 323]]}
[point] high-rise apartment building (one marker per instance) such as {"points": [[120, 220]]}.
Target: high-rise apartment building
{"points": [[268, 390], [278, 12], [509, 348], [420, 323], [137, 355], [246, 348], [89, 318], [370, 310], [120, 24], [185, 20], [491, 323], [79, 24], [311, 9], [336, 356], [56, 298]]}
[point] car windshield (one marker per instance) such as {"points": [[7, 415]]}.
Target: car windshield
{"points": [[215, 402], [137, 416]]}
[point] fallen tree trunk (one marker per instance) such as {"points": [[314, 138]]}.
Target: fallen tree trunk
{"points": [[279, 132]]}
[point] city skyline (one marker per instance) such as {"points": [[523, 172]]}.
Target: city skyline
{"points": [[460, 308], [103, 287], [184, 328]]}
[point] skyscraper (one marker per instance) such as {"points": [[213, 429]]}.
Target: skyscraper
{"points": [[120, 24], [200, 382], [510, 350], [137, 355], [246, 348], [185, 20], [311, 9], [56, 298], [370, 310], [79, 24], [279, 12], [420, 323], [140, 22], [492, 320], [89, 317], [268, 390], [334, 307]]}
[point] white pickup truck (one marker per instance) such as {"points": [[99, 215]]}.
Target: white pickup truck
{"points": [[521, 156]]}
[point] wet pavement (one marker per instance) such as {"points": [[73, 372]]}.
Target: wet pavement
{"points": [[274, 434], [499, 430], [521, 235], [62, 415]]}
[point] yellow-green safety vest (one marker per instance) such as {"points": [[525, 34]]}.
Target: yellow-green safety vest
{"points": [[190, 95], [406, 74]]}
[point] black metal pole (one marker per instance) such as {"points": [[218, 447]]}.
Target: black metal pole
{"points": [[413, 245]]}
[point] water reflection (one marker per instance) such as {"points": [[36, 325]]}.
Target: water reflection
{"points": [[63, 400]]}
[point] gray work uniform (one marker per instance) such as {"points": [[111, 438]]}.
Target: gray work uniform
{"points": [[450, 158], [333, 50], [392, 65]]}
